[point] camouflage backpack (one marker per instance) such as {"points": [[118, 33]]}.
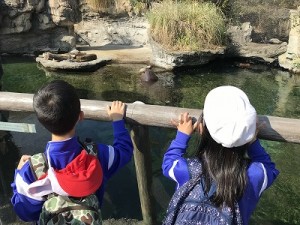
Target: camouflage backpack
{"points": [[61, 210]]}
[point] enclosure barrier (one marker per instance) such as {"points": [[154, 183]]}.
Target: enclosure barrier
{"points": [[139, 116]]}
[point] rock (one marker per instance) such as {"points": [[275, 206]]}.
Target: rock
{"points": [[36, 42], [171, 60], [287, 59], [68, 64], [104, 31], [261, 52], [239, 35], [275, 41], [64, 12], [243, 65], [18, 24], [29, 26], [71, 57]]}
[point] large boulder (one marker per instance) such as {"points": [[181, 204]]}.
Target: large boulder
{"points": [[73, 61], [241, 45], [169, 60], [37, 25], [105, 31], [64, 12], [55, 40], [291, 58]]}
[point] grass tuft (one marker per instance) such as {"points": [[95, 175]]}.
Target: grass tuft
{"points": [[187, 26]]}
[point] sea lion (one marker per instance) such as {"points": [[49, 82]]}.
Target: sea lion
{"points": [[148, 75]]}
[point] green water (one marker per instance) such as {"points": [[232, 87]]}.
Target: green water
{"points": [[271, 91]]}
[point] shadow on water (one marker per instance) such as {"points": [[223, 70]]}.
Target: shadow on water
{"points": [[9, 157], [272, 92]]}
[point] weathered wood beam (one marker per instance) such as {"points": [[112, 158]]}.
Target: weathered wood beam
{"points": [[143, 167], [76, 57], [275, 129]]}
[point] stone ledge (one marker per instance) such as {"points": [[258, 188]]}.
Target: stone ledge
{"points": [[72, 66]]}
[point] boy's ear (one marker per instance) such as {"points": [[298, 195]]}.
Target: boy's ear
{"points": [[81, 116]]}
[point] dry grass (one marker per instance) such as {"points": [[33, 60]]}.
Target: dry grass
{"points": [[187, 26], [100, 5]]}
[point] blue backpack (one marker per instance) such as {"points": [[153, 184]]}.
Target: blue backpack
{"points": [[191, 206]]}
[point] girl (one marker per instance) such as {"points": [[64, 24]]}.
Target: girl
{"points": [[230, 156]]}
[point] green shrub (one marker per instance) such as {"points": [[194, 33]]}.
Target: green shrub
{"points": [[187, 26]]}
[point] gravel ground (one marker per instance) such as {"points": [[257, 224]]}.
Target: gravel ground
{"points": [[7, 217]]}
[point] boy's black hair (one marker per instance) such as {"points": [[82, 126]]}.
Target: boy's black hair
{"points": [[57, 106]]}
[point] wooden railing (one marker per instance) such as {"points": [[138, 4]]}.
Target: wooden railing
{"points": [[140, 116]]}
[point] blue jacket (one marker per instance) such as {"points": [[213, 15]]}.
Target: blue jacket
{"points": [[261, 171], [111, 158]]}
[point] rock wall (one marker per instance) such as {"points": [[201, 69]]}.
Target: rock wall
{"points": [[294, 36], [37, 25], [106, 31], [288, 59]]}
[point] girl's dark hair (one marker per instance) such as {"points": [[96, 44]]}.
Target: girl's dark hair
{"points": [[227, 167], [57, 106]]}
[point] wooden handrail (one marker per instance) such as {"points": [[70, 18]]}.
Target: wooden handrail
{"points": [[275, 128], [140, 116]]}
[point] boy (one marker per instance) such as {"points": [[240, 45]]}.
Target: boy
{"points": [[57, 107]]}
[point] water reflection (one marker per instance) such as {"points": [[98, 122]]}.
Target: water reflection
{"points": [[272, 92], [9, 157]]}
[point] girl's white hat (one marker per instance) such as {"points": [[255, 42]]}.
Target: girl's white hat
{"points": [[229, 116]]}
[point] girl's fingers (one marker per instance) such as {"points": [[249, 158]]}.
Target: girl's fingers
{"points": [[174, 122]]}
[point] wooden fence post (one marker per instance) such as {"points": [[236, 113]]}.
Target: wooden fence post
{"points": [[143, 167]]}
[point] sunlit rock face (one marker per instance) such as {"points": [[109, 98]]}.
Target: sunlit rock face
{"points": [[291, 58]]}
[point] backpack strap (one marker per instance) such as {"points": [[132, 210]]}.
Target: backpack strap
{"points": [[194, 167], [195, 171], [183, 192], [38, 165], [89, 146]]}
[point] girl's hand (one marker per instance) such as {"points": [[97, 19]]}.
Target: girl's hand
{"points": [[185, 123], [116, 111]]}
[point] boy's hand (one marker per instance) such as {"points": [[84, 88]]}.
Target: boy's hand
{"points": [[23, 160], [185, 123], [116, 111]]}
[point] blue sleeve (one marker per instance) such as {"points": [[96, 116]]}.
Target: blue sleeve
{"points": [[261, 174], [174, 164], [258, 154], [114, 157], [28, 209]]}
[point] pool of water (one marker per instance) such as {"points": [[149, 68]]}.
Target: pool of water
{"points": [[271, 91]]}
